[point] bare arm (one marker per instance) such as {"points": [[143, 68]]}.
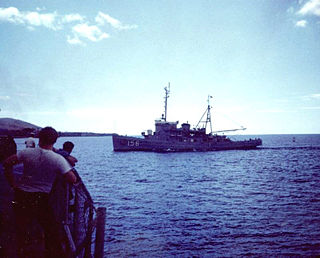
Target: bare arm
{"points": [[70, 177], [72, 160], [8, 169]]}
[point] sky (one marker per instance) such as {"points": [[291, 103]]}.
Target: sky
{"points": [[102, 66]]}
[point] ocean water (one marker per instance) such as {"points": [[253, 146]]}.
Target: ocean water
{"points": [[263, 202]]}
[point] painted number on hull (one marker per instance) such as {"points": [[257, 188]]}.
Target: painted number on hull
{"points": [[133, 143]]}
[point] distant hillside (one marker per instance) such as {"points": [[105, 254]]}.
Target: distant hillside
{"points": [[18, 128], [15, 124]]}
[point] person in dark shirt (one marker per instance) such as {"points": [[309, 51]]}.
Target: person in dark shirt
{"points": [[66, 153]]}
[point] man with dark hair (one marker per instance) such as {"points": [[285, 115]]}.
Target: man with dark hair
{"points": [[31, 193], [68, 146], [66, 153]]}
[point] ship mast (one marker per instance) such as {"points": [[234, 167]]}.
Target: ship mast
{"points": [[209, 114], [208, 119], [167, 91]]}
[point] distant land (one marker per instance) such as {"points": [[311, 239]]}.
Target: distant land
{"points": [[20, 129]]}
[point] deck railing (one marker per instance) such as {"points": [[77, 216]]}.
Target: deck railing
{"points": [[75, 212]]}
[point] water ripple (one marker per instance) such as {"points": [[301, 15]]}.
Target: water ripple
{"points": [[216, 204]]}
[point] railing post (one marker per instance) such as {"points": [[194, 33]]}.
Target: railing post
{"points": [[100, 227]]}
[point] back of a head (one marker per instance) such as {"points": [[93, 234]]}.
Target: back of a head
{"points": [[68, 146], [30, 143], [48, 136]]}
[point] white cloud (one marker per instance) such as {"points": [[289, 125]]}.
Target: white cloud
{"points": [[314, 96], [302, 23], [4, 97], [54, 21], [74, 41], [39, 9], [36, 19], [312, 7], [92, 32], [47, 20], [13, 15], [103, 18], [10, 14], [73, 17], [30, 28]]}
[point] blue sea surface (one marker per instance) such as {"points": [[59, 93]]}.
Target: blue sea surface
{"points": [[263, 202]]}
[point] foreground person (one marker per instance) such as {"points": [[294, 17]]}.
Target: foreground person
{"points": [[31, 193]]}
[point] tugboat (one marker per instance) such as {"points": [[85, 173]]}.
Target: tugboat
{"points": [[169, 138]]}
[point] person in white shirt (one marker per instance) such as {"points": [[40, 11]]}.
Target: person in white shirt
{"points": [[31, 193]]}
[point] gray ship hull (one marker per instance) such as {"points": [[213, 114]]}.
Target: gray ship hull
{"points": [[168, 137], [128, 143]]}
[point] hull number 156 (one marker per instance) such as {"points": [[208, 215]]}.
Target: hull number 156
{"points": [[133, 143]]}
